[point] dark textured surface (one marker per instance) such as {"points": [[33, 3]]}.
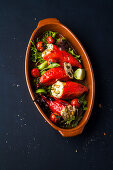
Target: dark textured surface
{"points": [[26, 141]]}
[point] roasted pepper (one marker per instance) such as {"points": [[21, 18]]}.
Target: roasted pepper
{"points": [[54, 54], [68, 90], [63, 108], [57, 73]]}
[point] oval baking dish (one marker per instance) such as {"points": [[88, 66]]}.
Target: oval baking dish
{"points": [[54, 25]]}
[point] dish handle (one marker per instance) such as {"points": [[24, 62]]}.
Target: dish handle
{"points": [[75, 132], [48, 21]]}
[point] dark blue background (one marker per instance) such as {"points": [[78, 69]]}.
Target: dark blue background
{"points": [[26, 141]]}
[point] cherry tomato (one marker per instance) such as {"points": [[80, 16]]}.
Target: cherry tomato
{"points": [[35, 72], [50, 40], [40, 46], [75, 102], [55, 117]]}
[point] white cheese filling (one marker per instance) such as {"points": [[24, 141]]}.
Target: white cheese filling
{"points": [[48, 50], [68, 112], [57, 89]]}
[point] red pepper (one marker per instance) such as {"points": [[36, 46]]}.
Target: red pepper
{"points": [[63, 108], [52, 75], [61, 56], [56, 105], [68, 90]]}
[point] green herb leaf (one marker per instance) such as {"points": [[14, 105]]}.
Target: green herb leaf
{"points": [[74, 55], [70, 120], [37, 40], [60, 39], [36, 80], [82, 97], [50, 66], [83, 101], [35, 55], [43, 65], [53, 65], [85, 108], [49, 89], [41, 91], [42, 72]]}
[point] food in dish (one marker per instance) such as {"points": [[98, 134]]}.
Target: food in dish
{"points": [[58, 79]]}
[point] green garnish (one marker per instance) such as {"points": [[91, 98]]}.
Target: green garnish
{"points": [[49, 89], [41, 91], [68, 122], [51, 66], [83, 101], [78, 118], [36, 80], [79, 74], [42, 72], [43, 65], [74, 55], [47, 34], [60, 39], [35, 55]]}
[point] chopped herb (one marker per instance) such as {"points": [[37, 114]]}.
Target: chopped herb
{"points": [[60, 39], [36, 80], [49, 89], [83, 101], [74, 55], [35, 55], [37, 40], [68, 122], [84, 108]]}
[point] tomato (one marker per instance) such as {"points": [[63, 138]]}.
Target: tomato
{"points": [[55, 117], [50, 40], [75, 102], [40, 46], [35, 72]]}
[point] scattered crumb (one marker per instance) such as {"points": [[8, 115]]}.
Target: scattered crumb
{"points": [[14, 38], [104, 134], [21, 101], [109, 135], [76, 150], [25, 124], [17, 85], [100, 106], [35, 19], [6, 141]]}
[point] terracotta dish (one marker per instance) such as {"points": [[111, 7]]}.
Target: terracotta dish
{"points": [[54, 25]]}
